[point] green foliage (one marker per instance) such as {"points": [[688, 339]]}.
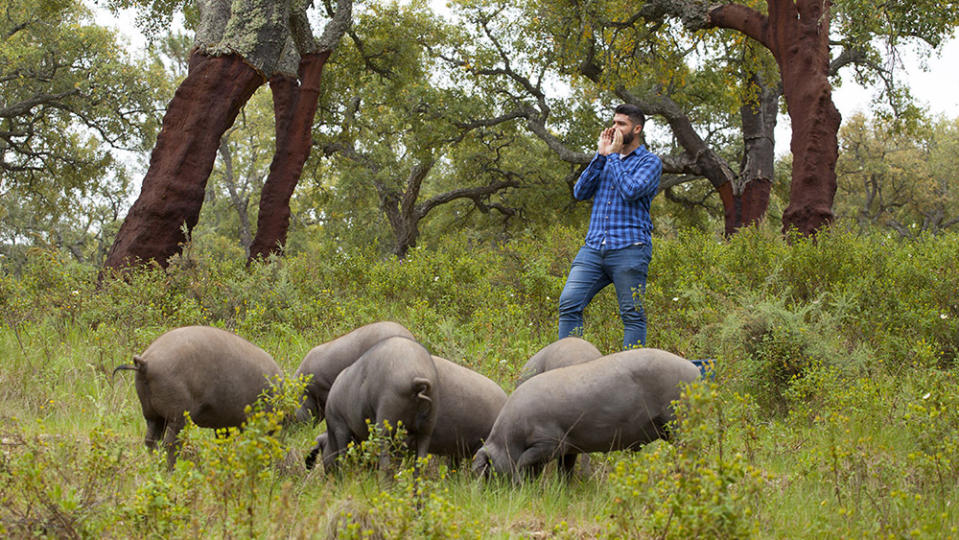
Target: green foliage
{"points": [[832, 411], [243, 469], [45, 495], [701, 487], [777, 343], [870, 32], [408, 146], [901, 178], [70, 95], [153, 16], [386, 513]]}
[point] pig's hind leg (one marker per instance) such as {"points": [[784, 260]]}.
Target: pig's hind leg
{"points": [[155, 428]]}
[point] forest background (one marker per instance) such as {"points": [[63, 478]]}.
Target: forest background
{"points": [[834, 407]]}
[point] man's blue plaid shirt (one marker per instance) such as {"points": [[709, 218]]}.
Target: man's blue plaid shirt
{"points": [[622, 188]]}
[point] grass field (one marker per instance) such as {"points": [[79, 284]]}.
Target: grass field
{"points": [[834, 411]]}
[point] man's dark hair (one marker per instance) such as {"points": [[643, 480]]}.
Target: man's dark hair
{"points": [[633, 112]]}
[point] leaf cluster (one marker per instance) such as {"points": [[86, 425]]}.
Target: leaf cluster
{"points": [[70, 95], [402, 129], [901, 177], [155, 16]]}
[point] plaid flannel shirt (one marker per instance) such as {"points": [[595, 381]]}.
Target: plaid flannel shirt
{"points": [[622, 188]]}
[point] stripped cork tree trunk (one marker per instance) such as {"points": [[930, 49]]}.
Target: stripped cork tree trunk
{"points": [[294, 105], [240, 44], [202, 109], [796, 32]]}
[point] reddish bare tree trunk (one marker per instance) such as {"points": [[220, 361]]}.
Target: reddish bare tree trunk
{"points": [[294, 105], [202, 109], [746, 208], [804, 65], [797, 34]]}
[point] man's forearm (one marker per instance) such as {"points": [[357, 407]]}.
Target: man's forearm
{"points": [[589, 179]]}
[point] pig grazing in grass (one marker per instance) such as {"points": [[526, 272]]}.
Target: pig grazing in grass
{"points": [[564, 352], [468, 404], [210, 373], [393, 383], [567, 351], [620, 401], [324, 362]]}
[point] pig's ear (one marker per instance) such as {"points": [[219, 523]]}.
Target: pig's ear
{"points": [[481, 463]]}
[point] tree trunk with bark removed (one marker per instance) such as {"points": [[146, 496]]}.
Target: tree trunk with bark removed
{"points": [[796, 32], [203, 108], [294, 105]]}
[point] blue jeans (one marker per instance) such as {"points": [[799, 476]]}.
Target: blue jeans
{"points": [[594, 269]]}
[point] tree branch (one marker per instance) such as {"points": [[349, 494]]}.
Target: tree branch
{"points": [[349, 151], [746, 20], [538, 126], [385, 72], [413, 184], [849, 56], [24, 107], [698, 158], [672, 180], [690, 203], [474, 193], [341, 20]]}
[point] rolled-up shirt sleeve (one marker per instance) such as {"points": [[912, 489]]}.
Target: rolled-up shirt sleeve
{"points": [[634, 178]]}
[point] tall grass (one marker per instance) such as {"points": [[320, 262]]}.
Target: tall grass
{"points": [[834, 411]]}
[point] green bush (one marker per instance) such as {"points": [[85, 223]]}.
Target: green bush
{"points": [[700, 487]]}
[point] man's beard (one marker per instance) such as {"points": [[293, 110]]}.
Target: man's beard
{"points": [[628, 138]]}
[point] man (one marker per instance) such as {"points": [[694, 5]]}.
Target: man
{"points": [[622, 179]]}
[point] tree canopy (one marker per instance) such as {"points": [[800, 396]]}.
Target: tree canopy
{"points": [[70, 98], [483, 122], [66, 87], [403, 133], [905, 179]]}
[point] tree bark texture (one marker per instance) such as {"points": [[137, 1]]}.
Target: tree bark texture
{"points": [[797, 34], [750, 192], [401, 209], [240, 44], [203, 108], [294, 106]]}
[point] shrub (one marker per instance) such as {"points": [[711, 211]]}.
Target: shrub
{"points": [[701, 487]]}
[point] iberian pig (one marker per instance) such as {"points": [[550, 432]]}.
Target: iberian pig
{"points": [[208, 372], [561, 353], [468, 404], [324, 362], [564, 352], [619, 401], [394, 382]]}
